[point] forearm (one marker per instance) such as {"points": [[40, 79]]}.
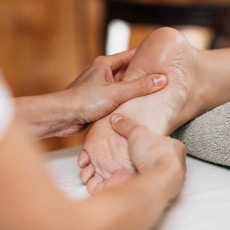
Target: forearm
{"points": [[136, 206], [38, 204], [46, 115]]}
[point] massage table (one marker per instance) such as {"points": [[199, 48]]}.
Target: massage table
{"points": [[204, 203]]}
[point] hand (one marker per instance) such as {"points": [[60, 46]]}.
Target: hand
{"points": [[98, 90], [148, 150], [94, 94]]}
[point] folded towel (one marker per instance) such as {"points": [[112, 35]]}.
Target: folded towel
{"points": [[208, 136]]}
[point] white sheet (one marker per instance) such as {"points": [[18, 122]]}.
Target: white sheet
{"points": [[204, 203]]}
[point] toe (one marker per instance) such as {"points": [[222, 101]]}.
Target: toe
{"points": [[83, 159], [95, 184], [87, 173]]}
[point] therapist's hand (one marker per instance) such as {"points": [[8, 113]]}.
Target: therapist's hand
{"points": [[149, 151], [95, 93], [99, 90]]}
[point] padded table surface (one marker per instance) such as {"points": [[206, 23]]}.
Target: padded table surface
{"points": [[204, 203]]}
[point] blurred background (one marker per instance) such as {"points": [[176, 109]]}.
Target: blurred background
{"points": [[45, 44]]}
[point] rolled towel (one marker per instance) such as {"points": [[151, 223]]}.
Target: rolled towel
{"points": [[207, 137]]}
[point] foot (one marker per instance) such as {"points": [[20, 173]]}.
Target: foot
{"points": [[105, 159]]}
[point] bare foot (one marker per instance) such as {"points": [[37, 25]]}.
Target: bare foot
{"points": [[105, 159]]}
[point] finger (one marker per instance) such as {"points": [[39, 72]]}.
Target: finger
{"points": [[123, 125], [139, 87], [113, 64], [95, 184], [118, 64], [121, 59], [87, 173], [83, 159]]}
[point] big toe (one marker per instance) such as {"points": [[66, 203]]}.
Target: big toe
{"points": [[83, 159]]}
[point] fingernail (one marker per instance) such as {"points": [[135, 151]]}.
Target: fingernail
{"points": [[159, 80], [115, 118]]}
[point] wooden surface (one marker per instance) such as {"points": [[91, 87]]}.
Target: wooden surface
{"points": [[37, 45], [45, 44]]}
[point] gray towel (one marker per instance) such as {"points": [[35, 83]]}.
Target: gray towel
{"points": [[208, 136]]}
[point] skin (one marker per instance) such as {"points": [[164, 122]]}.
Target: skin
{"points": [[30, 199], [40, 205], [92, 95], [28, 196], [194, 87]]}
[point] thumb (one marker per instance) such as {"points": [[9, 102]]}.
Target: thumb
{"points": [[123, 125], [140, 87]]}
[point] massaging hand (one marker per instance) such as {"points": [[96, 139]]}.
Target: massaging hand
{"points": [[148, 151], [92, 95], [98, 90]]}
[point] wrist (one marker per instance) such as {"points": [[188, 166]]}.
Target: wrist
{"points": [[46, 115]]}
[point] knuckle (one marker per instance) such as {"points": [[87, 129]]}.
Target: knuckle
{"points": [[177, 150], [100, 60], [183, 149], [142, 84], [180, 146]]}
